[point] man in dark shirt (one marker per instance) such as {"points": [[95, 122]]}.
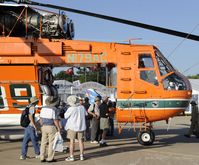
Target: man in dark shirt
{"points": [[104, 120]]}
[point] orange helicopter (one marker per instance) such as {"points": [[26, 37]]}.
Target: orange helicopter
{"points": [[148, 87]]}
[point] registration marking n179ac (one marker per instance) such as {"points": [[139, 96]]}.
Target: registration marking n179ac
{"points": [[88, 58]]}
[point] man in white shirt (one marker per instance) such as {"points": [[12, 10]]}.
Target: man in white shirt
{"points": [[75, 125], [50, 125]]}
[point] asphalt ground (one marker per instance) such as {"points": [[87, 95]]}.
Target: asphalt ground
{"points": [[169, 148]]}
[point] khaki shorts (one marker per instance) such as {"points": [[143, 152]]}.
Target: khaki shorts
{"points": [[104, 123], [75, 135]]}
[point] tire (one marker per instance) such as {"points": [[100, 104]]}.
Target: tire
{"points": [[146, 137]]}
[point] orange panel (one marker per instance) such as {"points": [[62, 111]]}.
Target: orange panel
{"points": [[51, 48], [81, 47], [17, 73], [10, 49]]}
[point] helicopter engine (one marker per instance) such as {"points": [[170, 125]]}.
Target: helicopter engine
{"points": [[16, 22]]}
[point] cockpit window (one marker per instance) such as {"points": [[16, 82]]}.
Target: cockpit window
{"points": [[145, 61], [149, 76], [164, 66], [146, 67], [176, 81]]}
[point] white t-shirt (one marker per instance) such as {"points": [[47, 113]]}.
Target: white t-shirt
{"points": [[75, 118], [48, 113]]}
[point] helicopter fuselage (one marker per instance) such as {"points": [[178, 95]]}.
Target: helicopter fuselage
{"points": [[144, 89]]}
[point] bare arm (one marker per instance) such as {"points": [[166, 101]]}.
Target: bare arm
{"points": [[92, 113], [32, 120], [56, 122], [41, 121]]}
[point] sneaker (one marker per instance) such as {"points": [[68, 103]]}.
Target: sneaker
{"points": [[42, 161], [81, 157], [102, 141], [70, 159], [51, 161], [94, 142], [22, 157], [37, 156]]}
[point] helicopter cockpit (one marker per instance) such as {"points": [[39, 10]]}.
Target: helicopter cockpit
{"points": [[171, 79], [175, 81]]}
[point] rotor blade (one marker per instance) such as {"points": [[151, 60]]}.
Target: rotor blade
{"points": [[123, 21]]}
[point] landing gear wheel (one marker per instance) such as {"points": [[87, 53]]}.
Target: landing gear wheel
{"points": [[146, 137]]}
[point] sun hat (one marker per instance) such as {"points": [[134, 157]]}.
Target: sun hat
{"points": [[72, 100], [33, 99], [51, 101]]}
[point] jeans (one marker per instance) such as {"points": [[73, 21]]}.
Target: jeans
{"points": [[30, 134]]}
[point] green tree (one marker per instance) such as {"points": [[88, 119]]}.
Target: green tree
{"points": [[194, 76], [63, 76], [84, 75]]}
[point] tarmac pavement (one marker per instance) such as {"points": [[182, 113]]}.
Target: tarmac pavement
{"points": [[169, 148]]}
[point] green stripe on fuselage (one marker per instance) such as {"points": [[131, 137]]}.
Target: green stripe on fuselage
{"points": [[152, 104]]}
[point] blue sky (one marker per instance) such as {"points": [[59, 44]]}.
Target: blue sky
{"points": [[178, 15]]}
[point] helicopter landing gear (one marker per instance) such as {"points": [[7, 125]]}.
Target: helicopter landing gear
{"points": [[146, 137]]}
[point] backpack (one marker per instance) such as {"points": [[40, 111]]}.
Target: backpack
{"points": [[89, 116], [24, 120]]}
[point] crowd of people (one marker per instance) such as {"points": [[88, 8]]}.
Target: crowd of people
{"points": [[76, 119]]}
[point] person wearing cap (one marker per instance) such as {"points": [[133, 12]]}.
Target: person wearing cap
{"points": [[194, 127], [49, 120], [75, 126], [94, 111], [31, 131]]}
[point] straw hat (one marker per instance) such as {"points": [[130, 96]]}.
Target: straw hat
{"points": [[72, 100], [51, 102], [33, 99]]}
